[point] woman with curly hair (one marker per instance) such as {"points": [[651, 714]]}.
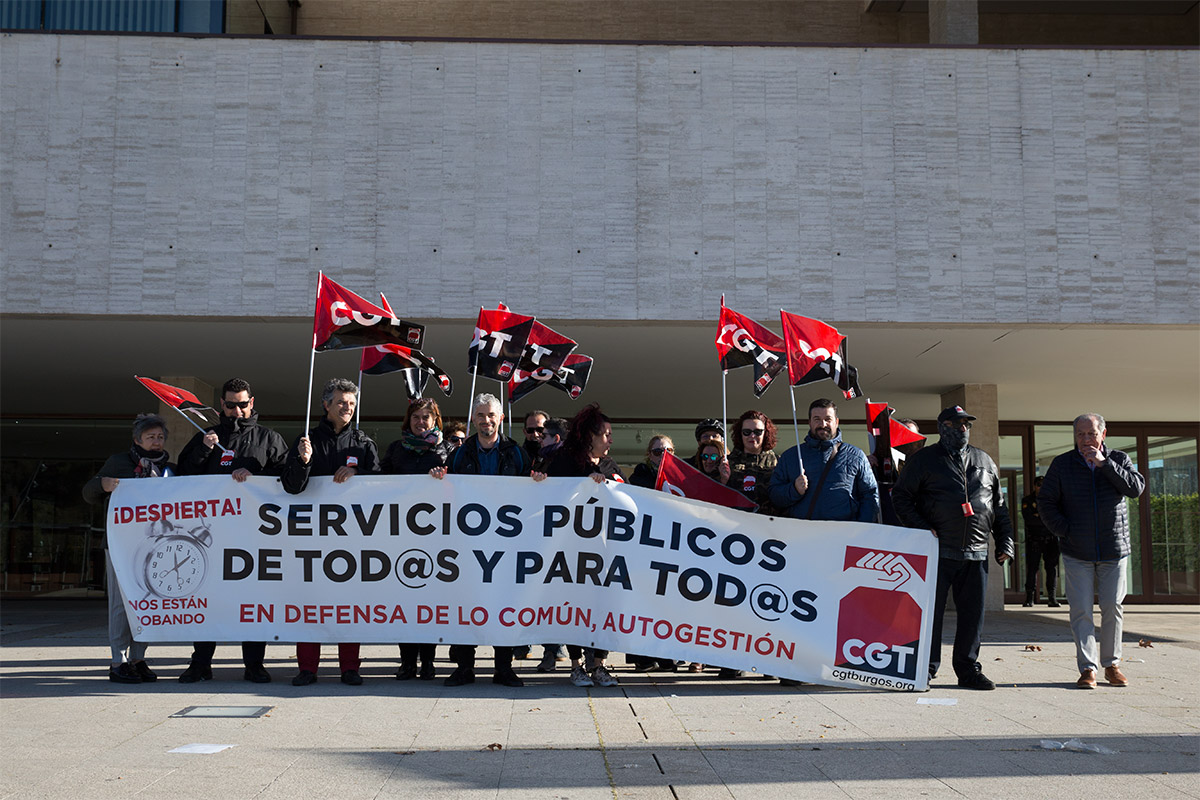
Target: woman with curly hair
{"points": [[585, 453], [753, 458]]}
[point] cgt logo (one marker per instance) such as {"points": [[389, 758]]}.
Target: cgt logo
{"points": [[879, 624]]}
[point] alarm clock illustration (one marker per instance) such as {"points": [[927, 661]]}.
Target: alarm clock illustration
{"points": [[172, 561]]}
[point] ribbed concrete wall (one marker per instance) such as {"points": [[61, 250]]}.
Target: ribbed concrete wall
{"points": [[215, 177]]}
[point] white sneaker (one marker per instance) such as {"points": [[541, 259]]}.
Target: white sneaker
{"points": [[603, 677], [581, 678]]}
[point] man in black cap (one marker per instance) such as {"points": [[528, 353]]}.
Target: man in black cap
{"points": [[953, 490]]}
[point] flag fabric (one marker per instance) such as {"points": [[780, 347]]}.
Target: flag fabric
{"points": [[182, 400], [546, 349], [742, 342], [498, 344], [676, 476], [384, 358], [415, 381], [343, 320], [570, 379], [816, 351], [885, 436]]}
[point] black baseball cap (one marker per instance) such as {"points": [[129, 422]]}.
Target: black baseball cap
{"points": [[954, 412]]}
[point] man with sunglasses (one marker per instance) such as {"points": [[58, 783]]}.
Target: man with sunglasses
{"points": [[239, 447], [953, 490], [535, 430]]}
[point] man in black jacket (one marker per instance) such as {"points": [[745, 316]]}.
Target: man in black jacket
{"points": [[1082, 501], [240, 447], [1040, 546], [485, 453], [335, 447], [953, 490]]}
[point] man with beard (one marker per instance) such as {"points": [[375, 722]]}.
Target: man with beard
{"points": [[953, 490], [825, 478], [239, 447], [535, 430]]}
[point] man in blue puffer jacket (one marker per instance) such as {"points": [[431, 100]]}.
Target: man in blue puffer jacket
{"points": [[801, 486], [1082, 502]]}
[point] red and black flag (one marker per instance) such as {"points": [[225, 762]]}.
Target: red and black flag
{"points": [[816, 351], [384, 358], [571, 378], [677, 477], [742, 342], [499, 343], [343, 320], [182, 401], [886, 436], [545, 348]]}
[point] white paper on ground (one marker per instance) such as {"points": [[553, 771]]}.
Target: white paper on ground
{"points": [[937, 701], [203, 749]]}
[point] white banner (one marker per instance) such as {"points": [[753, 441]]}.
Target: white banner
{"points": [[507, 561]]}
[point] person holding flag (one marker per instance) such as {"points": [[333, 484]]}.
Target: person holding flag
{"points": [[824, 477], [239, 447], [147, 458], [334, 447], [487, 452], [417, 451]]}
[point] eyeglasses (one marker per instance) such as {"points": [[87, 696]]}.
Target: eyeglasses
{"points": [[961, 424], [753, 431], [532, 431], [242, 404], [658, 451], [457, 439], [710, 457]]}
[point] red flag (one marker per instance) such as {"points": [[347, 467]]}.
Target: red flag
{"points": [[676, 476], [570, 379], [499, 341], [384, 358], [885, 436], [742, 342], [816, 351], [545, 349], [182, 400], [343, 320]]}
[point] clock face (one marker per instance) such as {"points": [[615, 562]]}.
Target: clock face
{"points": [[175, 567]]}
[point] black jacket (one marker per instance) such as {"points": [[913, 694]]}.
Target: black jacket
{"points": [[513, 459], [256, 448], [1086, 508], [1036, 532], [401, 460], [123, 466], [565, 466], [330, 451], [930, 493], [644, 475]]}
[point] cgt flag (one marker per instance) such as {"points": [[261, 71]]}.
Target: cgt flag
{"points": [[499, 342], [343, 320], [570, 379], [545, 349], [816, 351], [677, 477], [885, 436], [384, 358], [182, 401], [742, 342]]}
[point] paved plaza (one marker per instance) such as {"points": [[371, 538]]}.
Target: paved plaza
{"points": [[67, 732]]}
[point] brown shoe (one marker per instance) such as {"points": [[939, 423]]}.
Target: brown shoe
{"points": [[1087, 679], [1115, 677]]}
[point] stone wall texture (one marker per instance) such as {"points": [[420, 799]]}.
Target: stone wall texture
{"points": [[215, 177]]}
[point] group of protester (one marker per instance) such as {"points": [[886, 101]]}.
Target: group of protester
{"points": [[950, 488]]}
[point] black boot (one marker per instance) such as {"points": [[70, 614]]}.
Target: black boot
{"points": [[1028, 600], [1052, 594]]}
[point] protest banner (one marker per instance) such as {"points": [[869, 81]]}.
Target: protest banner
{"points": [[504, 561]]}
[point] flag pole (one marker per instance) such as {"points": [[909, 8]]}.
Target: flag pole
{"points": [[795, 421], [358, 405], [504, 399], [725, 406], [189, 419], [312, 361]]}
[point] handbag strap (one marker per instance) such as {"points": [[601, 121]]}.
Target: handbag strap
{"points": [[812, 506]]}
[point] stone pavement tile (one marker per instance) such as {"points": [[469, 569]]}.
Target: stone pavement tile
{"points": [[870, 771], [760, 773], [330, 781], [569, 773], [93, 782]]}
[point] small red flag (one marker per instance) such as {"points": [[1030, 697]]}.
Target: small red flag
{"points": [[677, 477], [742, 342], [343, 320], [182, 400]]}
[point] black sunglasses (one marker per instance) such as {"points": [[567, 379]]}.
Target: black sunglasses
{"points": [[658, 451], [753, 431], [243, 404], [535, 430]]}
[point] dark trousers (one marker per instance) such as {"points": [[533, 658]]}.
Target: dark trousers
{"points": [[577, 652], [1037, 553], [252, 653], [464, 656], [410, 652], [968, 581]]}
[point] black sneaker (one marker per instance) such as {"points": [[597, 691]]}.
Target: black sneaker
{"points": [[256, 674], [1053, 602], [460, 677], [351, 678], [730, 674], [406, 672], [196, 673], [428, 672], [304, 678], [143, 671], [977, 681], [506, 677], [123, 673]]}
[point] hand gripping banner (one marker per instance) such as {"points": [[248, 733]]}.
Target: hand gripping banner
{"points": [[501, 561]]}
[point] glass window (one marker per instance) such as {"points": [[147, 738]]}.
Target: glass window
{"points": [[1174, 515]]}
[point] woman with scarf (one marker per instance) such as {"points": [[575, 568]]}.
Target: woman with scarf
{"points": [[753, 458], [145, 459], [584, 454], [419, 450]]}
